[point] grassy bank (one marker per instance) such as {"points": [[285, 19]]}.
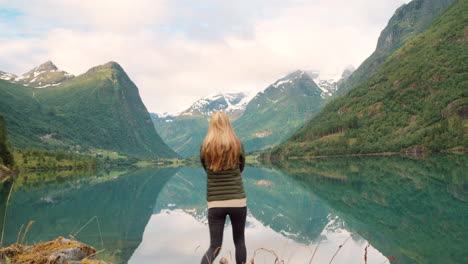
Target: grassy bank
{"points": [[36, 159]]}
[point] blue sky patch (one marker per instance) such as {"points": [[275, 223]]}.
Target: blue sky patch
{"points": [[9, 14]]}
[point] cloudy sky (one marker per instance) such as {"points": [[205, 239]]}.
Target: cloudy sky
{"points": [[177, 51]]}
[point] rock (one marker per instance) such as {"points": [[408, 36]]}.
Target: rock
{"points": [[66, 255], [414, 149], [223, 261]]}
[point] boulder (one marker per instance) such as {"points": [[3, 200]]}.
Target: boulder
{"points": [[58, 251]]}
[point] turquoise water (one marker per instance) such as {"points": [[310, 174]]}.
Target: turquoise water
{"points": [[411, 210]]}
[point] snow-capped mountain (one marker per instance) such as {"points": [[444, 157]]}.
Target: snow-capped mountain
{"points": [[261, 120], [328, 86], [232, 104], [44, 75], [273, 114]]}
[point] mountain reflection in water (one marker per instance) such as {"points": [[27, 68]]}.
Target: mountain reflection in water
{"points": [[414, 209], [283, 216]]}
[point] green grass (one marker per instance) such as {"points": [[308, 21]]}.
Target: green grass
{"points": [[251, 159], [34, 159], [161, 163], [106, 153]]}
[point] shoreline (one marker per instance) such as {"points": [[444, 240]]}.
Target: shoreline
{"points": [[462, 150], [6, 173], [58, 168], [347, 155]]}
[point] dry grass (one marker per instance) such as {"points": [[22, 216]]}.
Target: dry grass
{"points": [[43, 253], [90, 261], [50, 252], [278, 260], [46, 253], [5, 215]]}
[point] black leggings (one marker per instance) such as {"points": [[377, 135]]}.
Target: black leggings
{"points": [[216, 220]]}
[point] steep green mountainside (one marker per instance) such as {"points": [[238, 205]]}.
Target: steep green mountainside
{"points": [[408, 21], [103, 108], [100, 109], [274, 114], [183, 135], [5, 155], [26, 119], [418, 97]]}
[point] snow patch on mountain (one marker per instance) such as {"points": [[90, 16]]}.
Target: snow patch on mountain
{"points": [[241, 104], [329, 84], [42, 76], [232, 104], [48, 85], [290, 78], [7, 76]]}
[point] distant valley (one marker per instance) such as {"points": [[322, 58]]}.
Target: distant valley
{"points": [[393, 101], [261, 121]]}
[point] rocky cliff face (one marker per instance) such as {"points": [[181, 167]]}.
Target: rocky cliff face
{"points": [[408, 21]]}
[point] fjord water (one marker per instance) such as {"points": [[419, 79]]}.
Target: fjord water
{"points": [[413, 209]]}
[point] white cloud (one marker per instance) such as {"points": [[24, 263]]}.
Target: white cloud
{"points": [[177, 52], [110, 15]]}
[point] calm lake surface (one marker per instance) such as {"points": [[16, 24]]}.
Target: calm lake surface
{"points": [[411, 210]]}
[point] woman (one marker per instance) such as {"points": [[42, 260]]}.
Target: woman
{"points": [[222, 156]]}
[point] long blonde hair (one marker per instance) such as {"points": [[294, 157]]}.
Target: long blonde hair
{"points": [[221, 147]]}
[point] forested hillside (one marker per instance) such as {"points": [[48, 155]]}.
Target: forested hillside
{"points": [[5, 155], [418, 97]]}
